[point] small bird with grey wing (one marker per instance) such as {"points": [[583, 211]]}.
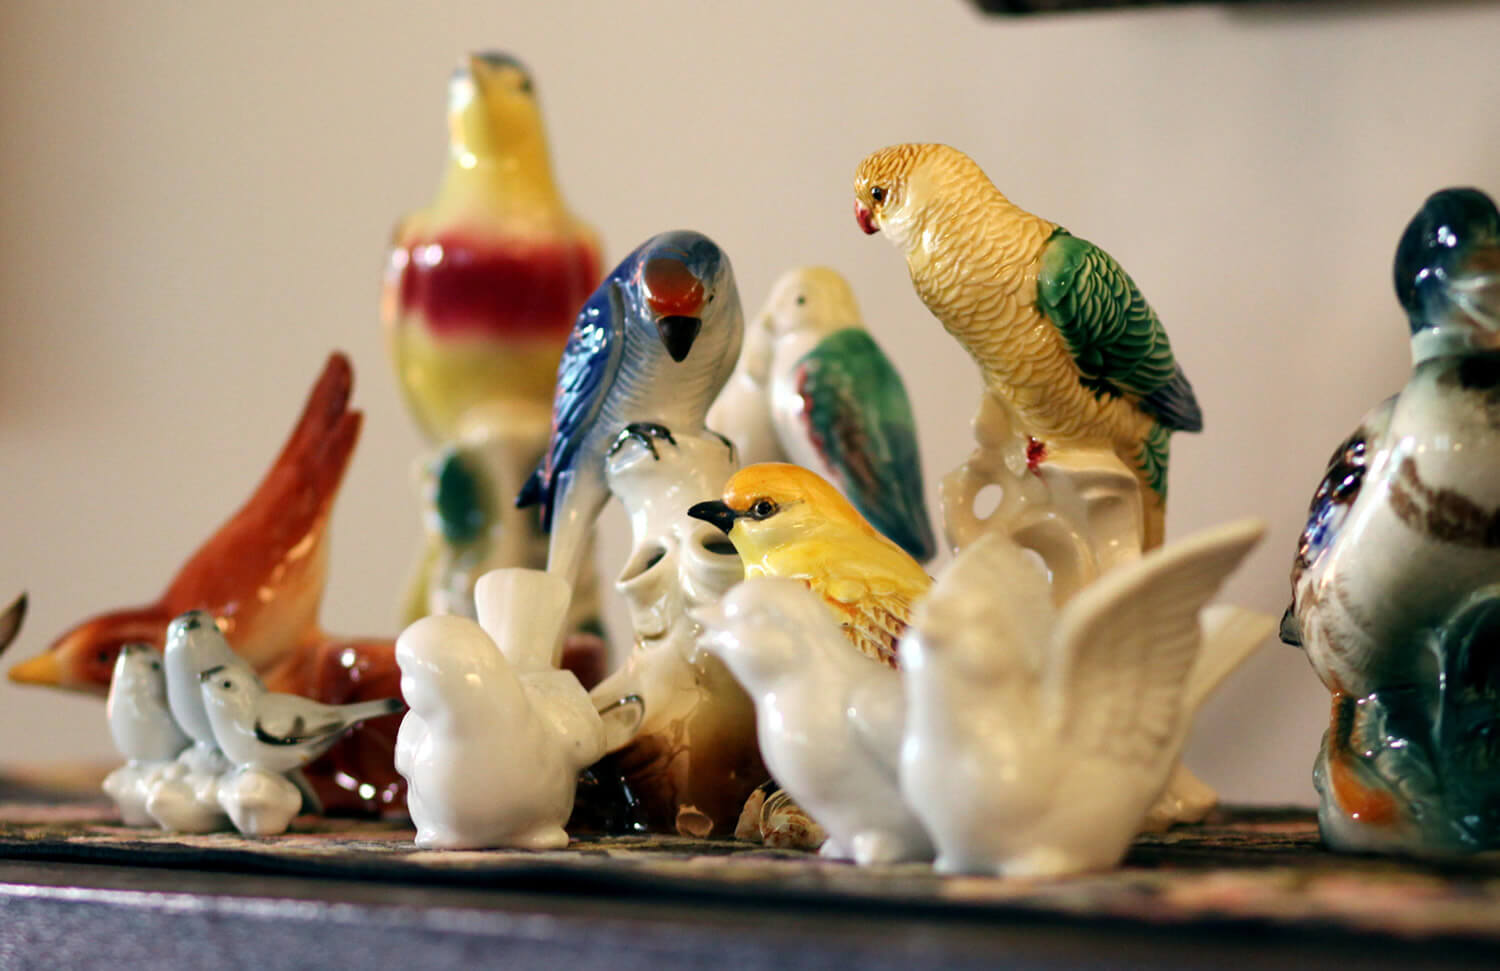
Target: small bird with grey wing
{"points": [[275, 732]]}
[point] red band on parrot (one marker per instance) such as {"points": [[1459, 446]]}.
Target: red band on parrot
{"points": [[671, 288], [498, 288], [865, 218]]}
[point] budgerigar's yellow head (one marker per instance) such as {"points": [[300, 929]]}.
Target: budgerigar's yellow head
{"points": [[899, 189], [774, 505], [492, 111]]}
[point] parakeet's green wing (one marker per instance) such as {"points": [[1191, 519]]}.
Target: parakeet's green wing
{"points": [[1112, 333], [859, 418]]}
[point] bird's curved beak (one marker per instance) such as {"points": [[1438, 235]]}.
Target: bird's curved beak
{"points": [[678, 333], [865, 218], [42, 669], [716, 514]]}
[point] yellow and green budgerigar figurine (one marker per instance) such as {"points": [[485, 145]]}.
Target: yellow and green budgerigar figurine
{"points": [[787, 521], [1059, 330]]}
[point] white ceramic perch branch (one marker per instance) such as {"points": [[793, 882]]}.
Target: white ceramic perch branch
{"points": [[693, 760], [1080, 511]]}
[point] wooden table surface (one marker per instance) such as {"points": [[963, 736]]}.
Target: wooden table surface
{"points": [[1254, 889]]}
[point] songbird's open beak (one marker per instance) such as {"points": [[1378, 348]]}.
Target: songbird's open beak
{"points": [[865, 218], [42, 669], [716, 514], [678, 333]]}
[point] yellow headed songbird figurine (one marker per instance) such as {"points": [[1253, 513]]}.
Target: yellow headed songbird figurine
{"points": [[786, 521], [482, 286], [1058, 329]]}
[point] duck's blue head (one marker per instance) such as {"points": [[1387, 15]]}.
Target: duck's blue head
{"points": [[1448, 273]]}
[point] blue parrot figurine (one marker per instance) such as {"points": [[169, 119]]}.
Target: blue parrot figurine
{"points": [[649, 352], [1396, 583]]}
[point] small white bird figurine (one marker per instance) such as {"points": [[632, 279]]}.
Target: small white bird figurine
{"points": [[813, 388], [493, 742], [1037, 739], [195, 644], [828, 720], [187, 801], [142, 728], [274, 732], [269, 736]]}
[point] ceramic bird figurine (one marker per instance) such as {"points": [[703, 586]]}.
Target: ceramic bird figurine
{"points": [[648, 355], [1058, 329], [787, 521], [834, 402], [186, 801], [482, 286], [495, 738], [143, 730], [272, 731], [1036, 739], [829, 722], [261, 576], [1394, 580]]}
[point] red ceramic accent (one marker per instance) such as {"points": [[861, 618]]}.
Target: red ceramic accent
{"points": [[503, 288]]}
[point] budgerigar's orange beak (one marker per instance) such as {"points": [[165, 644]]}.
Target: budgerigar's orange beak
{"points": [[865, 218]]}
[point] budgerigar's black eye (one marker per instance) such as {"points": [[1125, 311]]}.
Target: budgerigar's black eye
{"points": [[763, 509], [228, 685], [801, 299], [877, 194]]}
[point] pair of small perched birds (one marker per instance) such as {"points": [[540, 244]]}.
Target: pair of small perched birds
{"points": [[204, 697]]}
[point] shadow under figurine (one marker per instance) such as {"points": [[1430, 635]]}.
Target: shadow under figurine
{"points": [[1396, 582]]}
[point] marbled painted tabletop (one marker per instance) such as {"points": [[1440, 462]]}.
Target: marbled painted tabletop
{"points": [[1244, 867]]}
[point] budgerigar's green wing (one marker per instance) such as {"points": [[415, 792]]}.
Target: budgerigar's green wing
{"points": [[856, 415], [1112, 333]]}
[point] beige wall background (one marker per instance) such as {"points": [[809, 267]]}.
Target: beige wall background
{"points": [[194, 201]]}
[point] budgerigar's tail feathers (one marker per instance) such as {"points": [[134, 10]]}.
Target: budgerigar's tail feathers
{"points": [[1174, 404]]}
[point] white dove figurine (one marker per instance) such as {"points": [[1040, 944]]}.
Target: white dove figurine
{"points": [[828, 720], [491, 748], [1036, 739], [142, 728]]}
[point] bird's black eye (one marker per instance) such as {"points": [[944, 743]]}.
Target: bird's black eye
{"points": [[801, 299], [228, 684], [104, 656], [877, 194], [526, 85], [763, 509]]}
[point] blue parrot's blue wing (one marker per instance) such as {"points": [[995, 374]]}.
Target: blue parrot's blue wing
{"points": [[856, 414], [588, 366]]}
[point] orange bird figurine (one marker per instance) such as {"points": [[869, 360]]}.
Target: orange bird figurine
{"points": [[261, 576]]}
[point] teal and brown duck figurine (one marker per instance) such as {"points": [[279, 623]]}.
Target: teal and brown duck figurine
{"points": [[1396, 583]]}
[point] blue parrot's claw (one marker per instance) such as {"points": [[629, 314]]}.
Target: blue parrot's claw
{"points": [[643, 432]]}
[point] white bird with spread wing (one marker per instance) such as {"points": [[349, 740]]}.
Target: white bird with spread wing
{"points": [[1037, 739]]}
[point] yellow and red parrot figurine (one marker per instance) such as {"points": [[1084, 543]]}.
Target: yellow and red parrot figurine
{"points": [[482, 286]]}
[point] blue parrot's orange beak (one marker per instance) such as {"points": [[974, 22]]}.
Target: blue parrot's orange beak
{"points": [[865, 218]]}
